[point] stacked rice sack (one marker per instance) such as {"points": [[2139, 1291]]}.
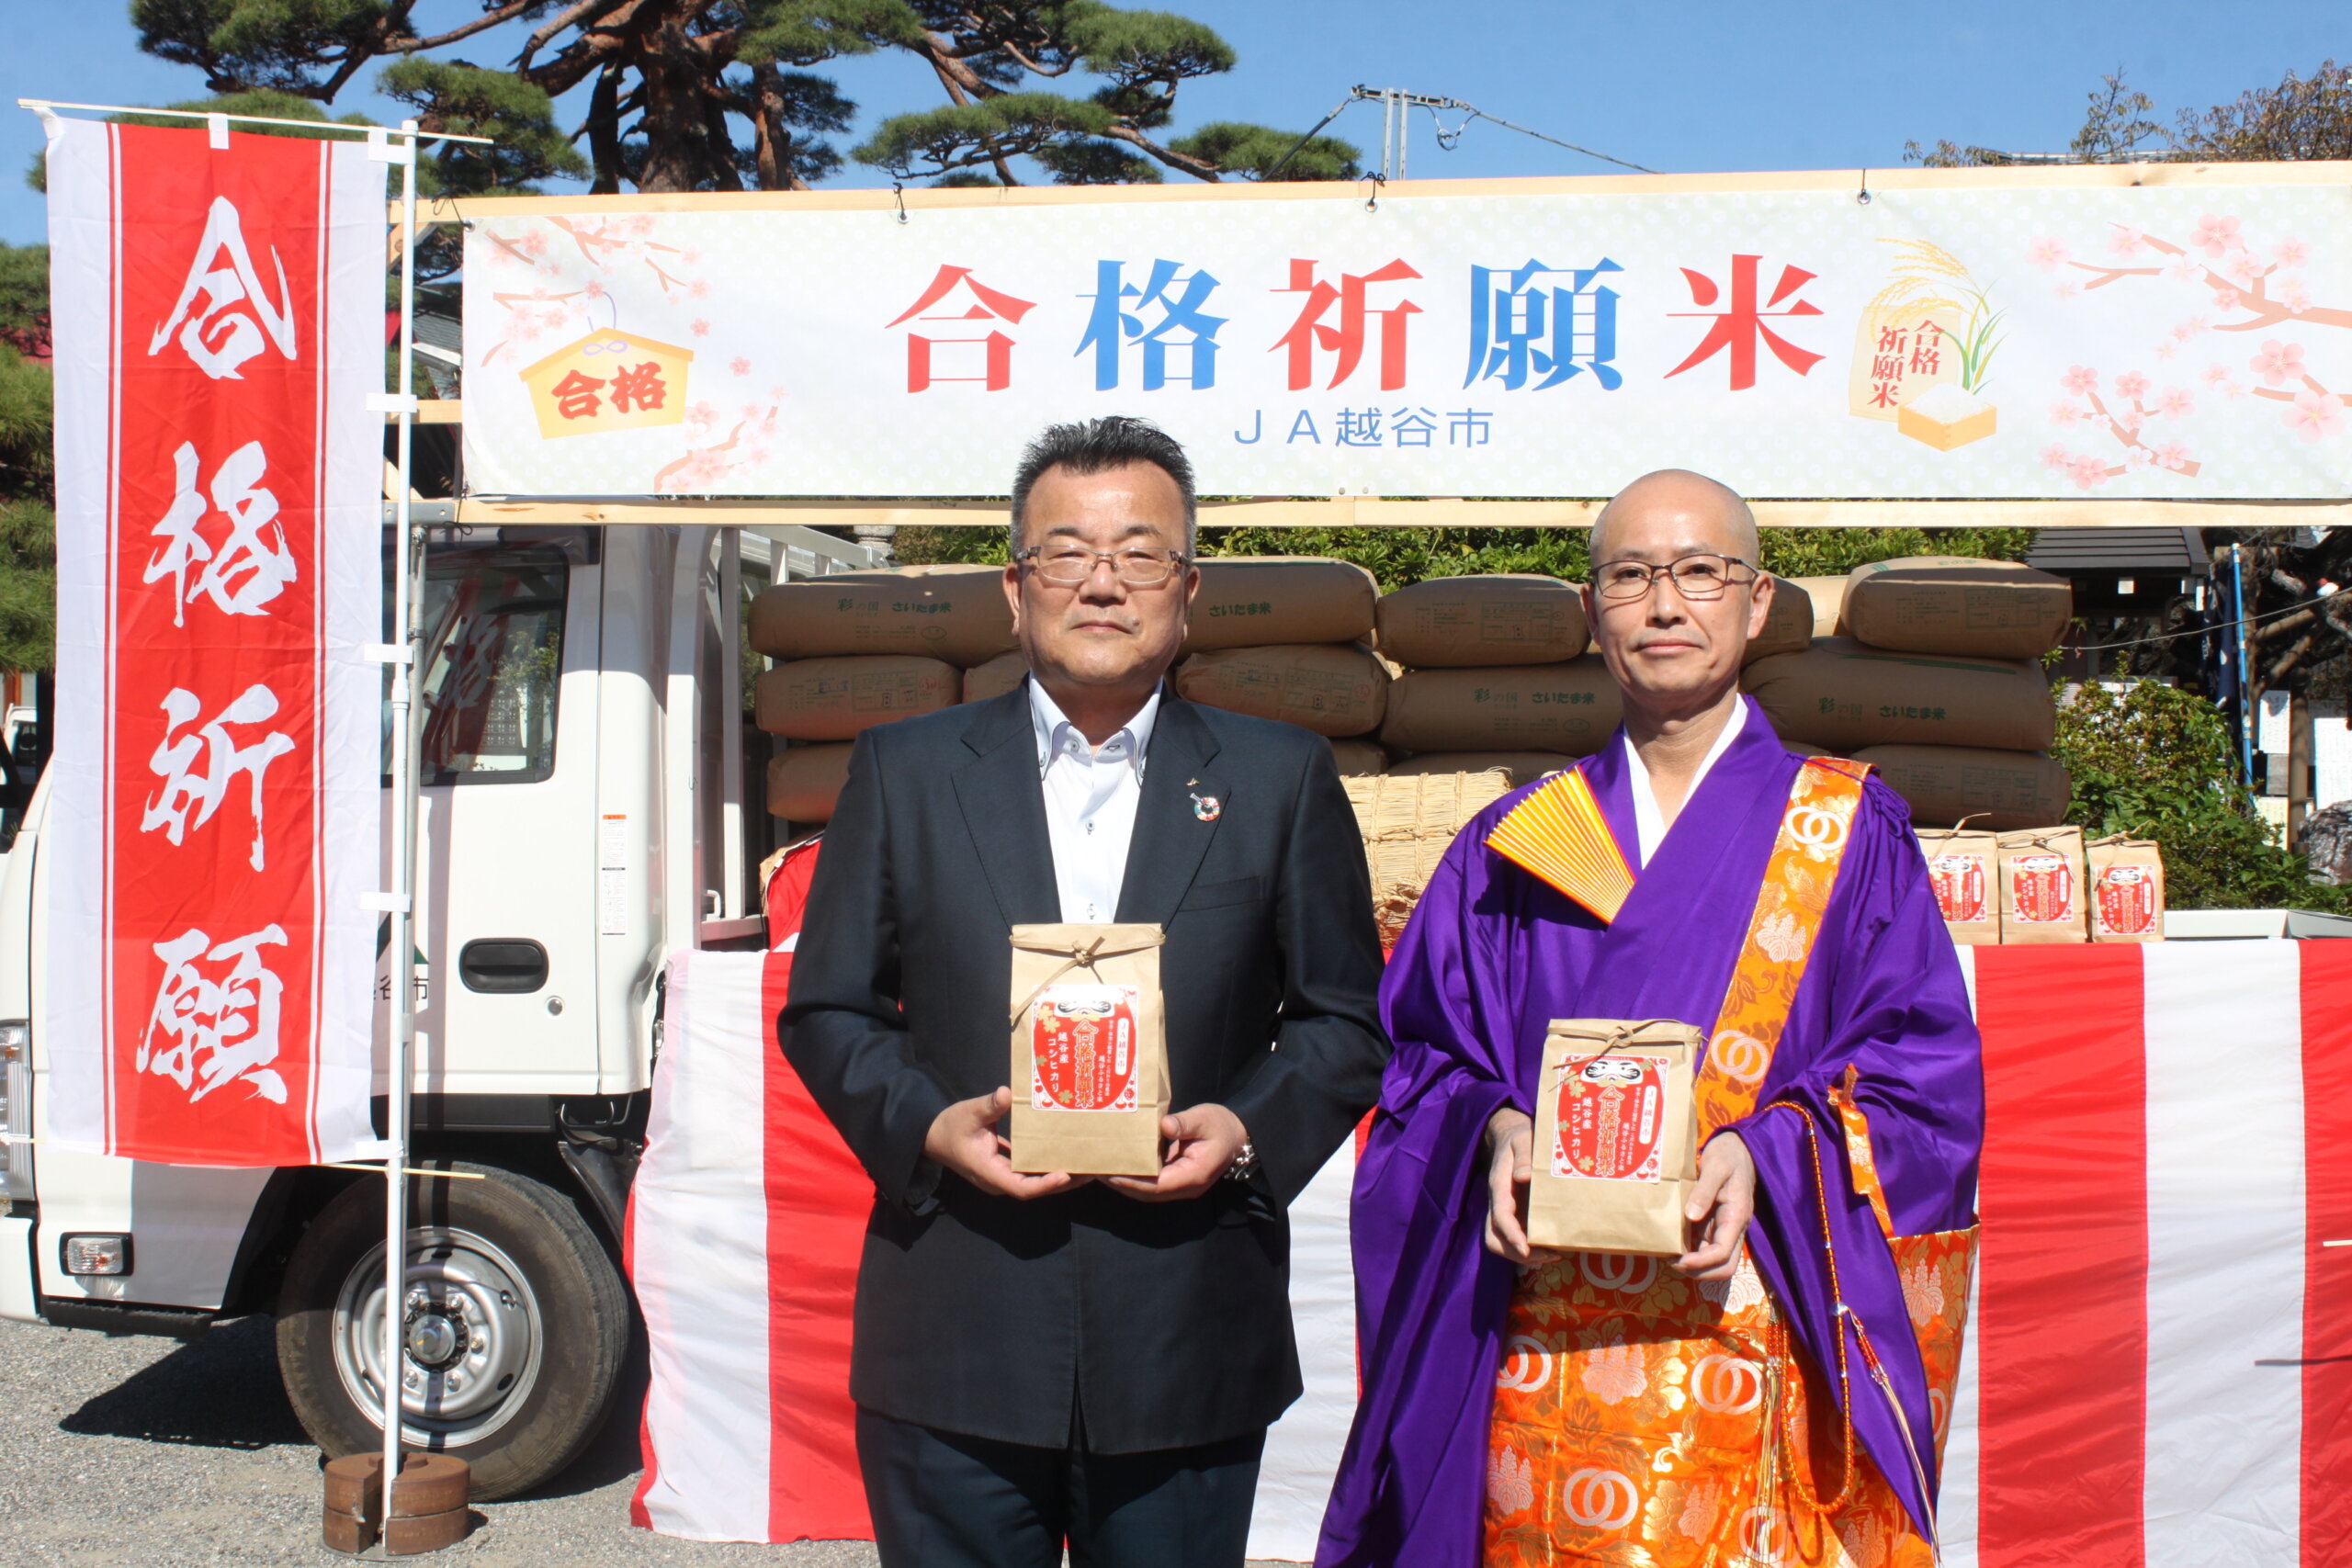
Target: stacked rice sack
{"points": [[1283, 638], [1497, 677], [1928, 669], [1931, 674], [863, 647]]}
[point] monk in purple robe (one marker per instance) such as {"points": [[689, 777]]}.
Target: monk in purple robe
{"points": [[1778, 1392]]}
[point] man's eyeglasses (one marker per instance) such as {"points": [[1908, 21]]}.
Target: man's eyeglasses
{"points": [[1696, 578], [1069, 564]]}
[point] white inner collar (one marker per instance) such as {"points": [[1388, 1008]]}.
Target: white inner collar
{"points": [[1057, 737], [1649, 823]]}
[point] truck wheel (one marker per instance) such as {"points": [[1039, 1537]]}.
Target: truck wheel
{"points": [[515, 1325]]}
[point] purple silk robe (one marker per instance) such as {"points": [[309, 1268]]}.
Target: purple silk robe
{"points": [[1492, 954]]}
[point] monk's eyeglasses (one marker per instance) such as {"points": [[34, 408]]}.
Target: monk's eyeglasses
{"points": [[1696, 578], [1070, 564]]}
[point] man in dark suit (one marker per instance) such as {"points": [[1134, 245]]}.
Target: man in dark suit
{"points": [[1041, 1359]]}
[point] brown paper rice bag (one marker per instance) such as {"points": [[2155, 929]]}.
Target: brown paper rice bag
{"points": [[1616, 1136], [1090, 1050], [2041, 871], [1960, 869], [2127, 890]]}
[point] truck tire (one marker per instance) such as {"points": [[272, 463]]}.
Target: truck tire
{"points": [[517, 1324]]}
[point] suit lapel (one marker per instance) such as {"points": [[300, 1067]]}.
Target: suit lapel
{"points": [[1005, 810], [1183, 802]]}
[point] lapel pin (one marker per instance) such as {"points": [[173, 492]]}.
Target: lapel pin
{"points": [[1207, 807]]}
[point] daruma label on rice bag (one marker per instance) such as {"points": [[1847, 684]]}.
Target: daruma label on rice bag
{"points": [[1960, 870], [2127, 897], [1611, 1117], [1090, 1056], [1082, 1048], [2041, 871], [1616, 1137]]}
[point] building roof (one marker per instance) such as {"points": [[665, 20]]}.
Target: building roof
{"points": [[2154, 552]]}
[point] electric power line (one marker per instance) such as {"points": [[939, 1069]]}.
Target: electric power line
{"points": [[1446, 140], [2200, 631]]}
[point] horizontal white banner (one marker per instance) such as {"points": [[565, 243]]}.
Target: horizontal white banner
{"points": [[2185, 343]]}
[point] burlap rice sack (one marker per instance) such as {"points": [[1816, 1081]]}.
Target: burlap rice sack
{"points": [[955, 613], [2002, 790], [1949, 604], [995, 678], [1483, 619], [1842, 695], [1568, 708], [804, 781], [1331, 691], [834, 699], [1257, 601]]}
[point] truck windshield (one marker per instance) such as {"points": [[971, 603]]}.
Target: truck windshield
{"points": [[491, 659]]}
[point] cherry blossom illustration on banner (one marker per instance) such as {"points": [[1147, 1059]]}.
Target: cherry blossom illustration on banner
{"points": [[2237, 287], [600, 376]]}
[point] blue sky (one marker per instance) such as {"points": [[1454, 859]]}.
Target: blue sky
{"points": [[1681, 88]]}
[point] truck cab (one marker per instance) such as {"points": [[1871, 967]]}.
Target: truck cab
{"points": [[591, 804]]}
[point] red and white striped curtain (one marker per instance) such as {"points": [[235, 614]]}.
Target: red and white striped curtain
{"points": [[2159, 1366]]}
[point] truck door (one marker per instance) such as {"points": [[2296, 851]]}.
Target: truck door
{"points": [[506, 865]]}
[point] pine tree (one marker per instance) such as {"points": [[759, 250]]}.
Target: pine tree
{"points": [[28, 523], [716, 95]]}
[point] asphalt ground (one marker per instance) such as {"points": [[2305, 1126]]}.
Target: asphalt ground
{"points": [[161, 1454]]}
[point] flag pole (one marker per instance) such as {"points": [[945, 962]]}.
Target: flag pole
{"points": [[405, 779]]}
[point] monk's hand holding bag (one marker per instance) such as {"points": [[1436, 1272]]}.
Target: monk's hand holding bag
{"points": [[1090, 1050], [1616, 1137]]}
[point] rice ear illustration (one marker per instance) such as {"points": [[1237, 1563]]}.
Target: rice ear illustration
{"points": [[1924, 349]]}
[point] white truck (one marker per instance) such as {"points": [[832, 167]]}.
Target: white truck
{"points": [[593, 802]]}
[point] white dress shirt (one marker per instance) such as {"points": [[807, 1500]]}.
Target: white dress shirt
{"points": [[1649, 823], [1091, 800]]}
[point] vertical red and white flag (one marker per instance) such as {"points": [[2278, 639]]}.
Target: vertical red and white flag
{"points": [[218, 313]]}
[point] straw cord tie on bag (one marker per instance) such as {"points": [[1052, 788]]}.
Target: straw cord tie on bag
{"points": [[1079, 958]]}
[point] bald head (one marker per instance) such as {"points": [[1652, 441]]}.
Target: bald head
{"points": [[1709, 510]]}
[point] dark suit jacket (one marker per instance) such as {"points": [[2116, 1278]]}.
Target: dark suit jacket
{"points": [[987, 1316]]}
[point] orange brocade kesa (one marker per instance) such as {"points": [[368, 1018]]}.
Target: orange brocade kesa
{"points": [[1643, 1420]]}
